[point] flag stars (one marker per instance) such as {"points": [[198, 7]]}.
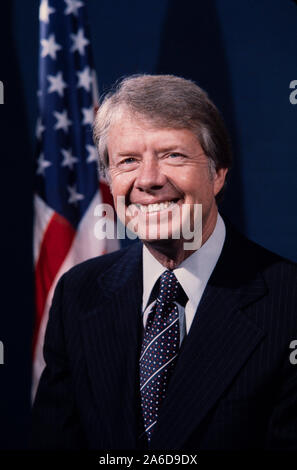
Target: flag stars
{"points": [[50, 47], [79, 41], [56, 83], [39, 129], [42, 164], [88, 115], [93, 155], [85, 78], [74, 195], [72, 7], [69, 159], [62, 121], [45, 10]]}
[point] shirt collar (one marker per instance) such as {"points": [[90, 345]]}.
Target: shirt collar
{"points": [[193, 273]]}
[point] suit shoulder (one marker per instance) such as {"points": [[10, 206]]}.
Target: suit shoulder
{"points": [[94, 266], [273, 266], [249, 258], [81, 288], [271, 260]]}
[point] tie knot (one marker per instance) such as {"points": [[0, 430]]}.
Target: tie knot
{"points": [[169, 287]]}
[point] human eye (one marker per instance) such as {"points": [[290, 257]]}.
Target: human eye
{"points": [[127, 161], [175, 155]]}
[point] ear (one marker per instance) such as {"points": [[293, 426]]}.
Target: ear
{"points": [[219, 180]]}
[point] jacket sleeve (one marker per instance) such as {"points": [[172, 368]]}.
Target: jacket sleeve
{"points": [[55, 421]]}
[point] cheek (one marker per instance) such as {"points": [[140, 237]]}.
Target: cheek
{"points": [[189, 178], [120, 184], [191, 182], [181, 179], [200, 189]]}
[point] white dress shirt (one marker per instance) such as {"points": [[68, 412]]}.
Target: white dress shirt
{"points": [[193, 274]]}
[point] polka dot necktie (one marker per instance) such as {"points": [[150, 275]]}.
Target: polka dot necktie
{"points": [[159, 350]]}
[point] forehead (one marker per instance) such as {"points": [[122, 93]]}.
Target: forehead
{"points": [[127, 132]]}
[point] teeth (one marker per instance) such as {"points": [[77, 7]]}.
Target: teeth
{"points": [[154, 207]]}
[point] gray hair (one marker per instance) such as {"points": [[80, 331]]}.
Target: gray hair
{"points": [[167, 101]]}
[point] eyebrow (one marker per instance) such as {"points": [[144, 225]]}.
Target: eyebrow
{"points": [[160, 150], [172, 148], [127, 154]]}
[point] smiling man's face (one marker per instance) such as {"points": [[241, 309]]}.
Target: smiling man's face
{"points": [[157, 170]]}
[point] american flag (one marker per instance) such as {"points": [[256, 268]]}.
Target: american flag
{"points": [[67, 188]]}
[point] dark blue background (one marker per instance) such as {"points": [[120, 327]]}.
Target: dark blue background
{"points": [[243, 53]]}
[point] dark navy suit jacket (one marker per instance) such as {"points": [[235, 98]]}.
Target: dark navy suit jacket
{"points": [[233, 386]]}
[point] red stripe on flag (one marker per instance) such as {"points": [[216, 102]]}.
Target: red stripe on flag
{"points": [[106, 193], [55, 245]]}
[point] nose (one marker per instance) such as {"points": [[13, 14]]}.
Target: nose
{"points": [[150, 177]]}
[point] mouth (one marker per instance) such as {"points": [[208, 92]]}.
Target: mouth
{"points": [[152, 208]]}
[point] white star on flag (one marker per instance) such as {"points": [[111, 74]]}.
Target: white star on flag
{"points": [[42, 164], [85, 78], [69, 159], [45, 10], [62, 120], [39, 128], [79, 41], [74, 195], [88, 115], [72, 6], [50, 47], [93, 155], [56, 83]]}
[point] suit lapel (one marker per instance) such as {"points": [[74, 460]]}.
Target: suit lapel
{"points": [[219, 342], [112, 335]]}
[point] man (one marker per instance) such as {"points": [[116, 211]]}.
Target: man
{"points": [[164, 345]]}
